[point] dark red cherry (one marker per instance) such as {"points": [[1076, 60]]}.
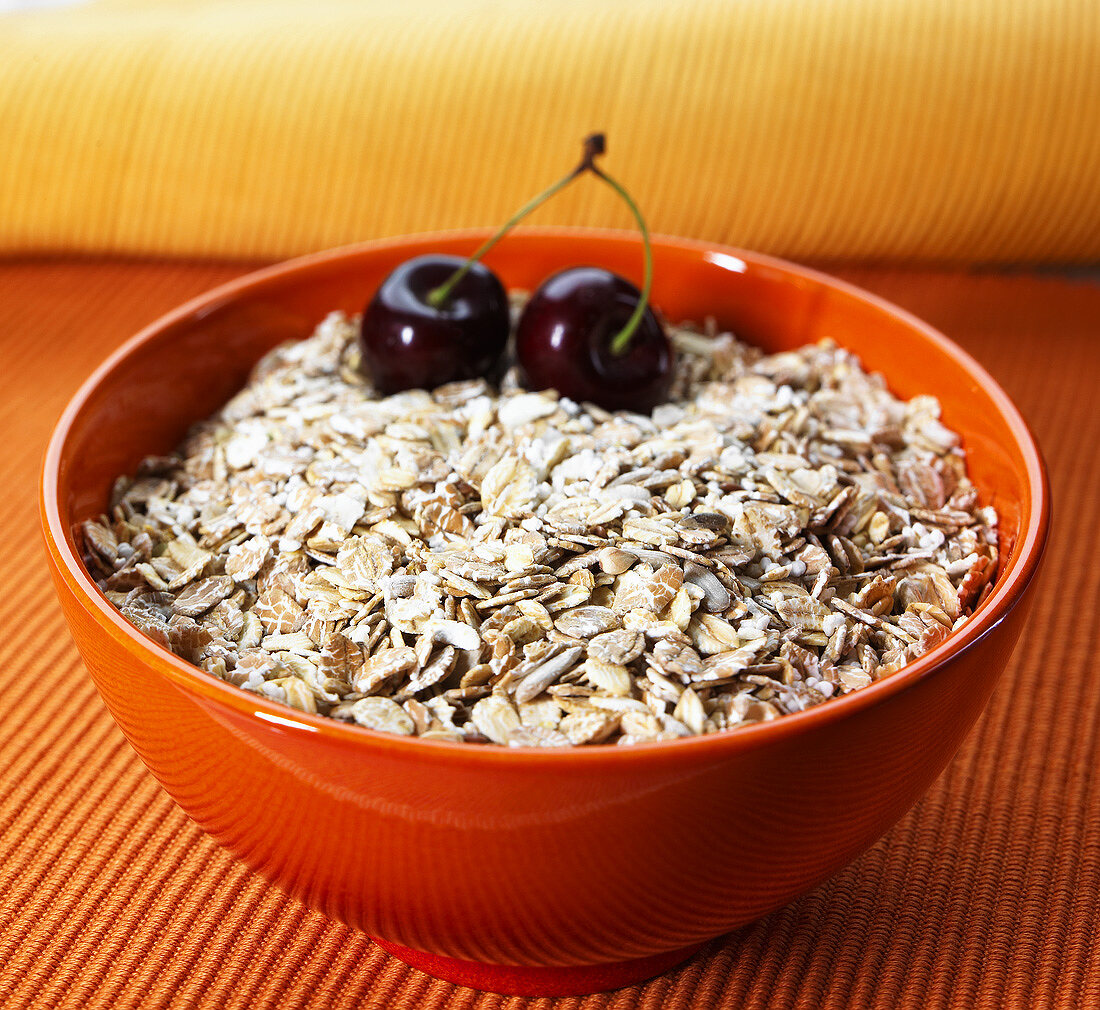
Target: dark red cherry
{"points": [[408, 343], [564, 337]]}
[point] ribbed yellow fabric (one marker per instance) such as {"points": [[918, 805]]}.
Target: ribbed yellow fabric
{"points": [[915, 129]]}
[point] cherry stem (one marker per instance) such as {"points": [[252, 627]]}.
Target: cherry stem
{"points": [[593, 145], [621, 340]]}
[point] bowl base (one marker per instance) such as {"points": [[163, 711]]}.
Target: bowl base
{"points": [[519, 980]]}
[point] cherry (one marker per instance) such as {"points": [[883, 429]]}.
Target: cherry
{"points": [[409, 341], [565, 339], [591, 334], [588, 333], [438, 318]]}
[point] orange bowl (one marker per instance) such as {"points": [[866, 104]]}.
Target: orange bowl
{"points": [[527, 870]]}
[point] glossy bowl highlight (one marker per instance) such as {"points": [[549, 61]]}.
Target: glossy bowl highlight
{"points": [[537, 871]]}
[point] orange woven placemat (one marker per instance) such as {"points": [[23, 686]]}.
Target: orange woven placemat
{"points": [[986, 895]]}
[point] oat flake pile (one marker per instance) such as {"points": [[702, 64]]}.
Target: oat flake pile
{"points": [[506, 567]]}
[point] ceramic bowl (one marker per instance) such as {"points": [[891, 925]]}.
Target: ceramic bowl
{"points": [[537, 871]]}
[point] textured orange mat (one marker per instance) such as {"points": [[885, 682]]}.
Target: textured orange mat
{"points": [[986, 895]]}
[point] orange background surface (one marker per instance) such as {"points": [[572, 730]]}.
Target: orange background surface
{"points": [[986, 895]]}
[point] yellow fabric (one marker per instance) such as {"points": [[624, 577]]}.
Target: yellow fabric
{"points": [[931, 129]]}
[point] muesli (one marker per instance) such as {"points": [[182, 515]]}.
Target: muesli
{"points": [[486, 564]]}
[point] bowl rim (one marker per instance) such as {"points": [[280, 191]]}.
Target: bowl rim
{"points": [[1030, 542]]}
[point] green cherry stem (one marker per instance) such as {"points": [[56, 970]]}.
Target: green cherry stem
{"points": [[593, 146], [621, 340]]}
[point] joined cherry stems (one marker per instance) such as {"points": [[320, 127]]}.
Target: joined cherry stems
{"points": [[595, 144]]}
